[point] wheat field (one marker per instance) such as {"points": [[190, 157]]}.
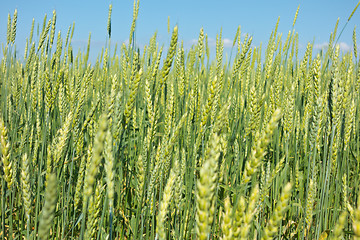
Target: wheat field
{"points": [[167, 143]]}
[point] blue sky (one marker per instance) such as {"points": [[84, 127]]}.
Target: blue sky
{"points": [[316, 20]]}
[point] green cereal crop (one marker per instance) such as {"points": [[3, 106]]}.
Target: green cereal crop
{"points": [[170, 144]]}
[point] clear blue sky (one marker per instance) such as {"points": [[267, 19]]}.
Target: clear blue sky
{"points": [[315, 21]]}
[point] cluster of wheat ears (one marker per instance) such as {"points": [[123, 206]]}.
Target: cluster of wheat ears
{"points": [[139, 145]]}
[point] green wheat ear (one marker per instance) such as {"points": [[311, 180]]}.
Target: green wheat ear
{"points": [[168, 24], [259, 150], [250, 213], [206, 185], [13, 27], [8, 35], [165, 202], [52, 32], [227, 220], [296, 15], [26, 188], [92, 170], [352, 13], [5, 154], [49, 207], [109, 21], [133, 24], [277, 216], [354, 42], [94, 212]]}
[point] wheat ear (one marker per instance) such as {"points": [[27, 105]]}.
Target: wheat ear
{"points": [[49, 207], [165, 202], [275, 220], [5, 151], [92, 171], [206, 185], [259, 150]]}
